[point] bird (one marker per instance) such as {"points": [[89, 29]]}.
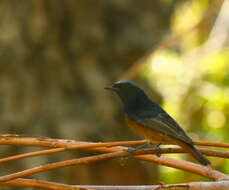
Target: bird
{"points": [[151, 121]]}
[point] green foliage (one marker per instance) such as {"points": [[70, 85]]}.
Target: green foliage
{"points": [[195, 88]]}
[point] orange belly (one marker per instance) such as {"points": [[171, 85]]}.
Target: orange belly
{"points": [[149, 133]]}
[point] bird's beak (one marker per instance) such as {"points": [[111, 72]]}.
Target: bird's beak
{"points": [[110, 88]]}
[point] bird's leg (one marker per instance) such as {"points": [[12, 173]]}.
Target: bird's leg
{"points": [[131, 149], [142, 146], [157, 147]]}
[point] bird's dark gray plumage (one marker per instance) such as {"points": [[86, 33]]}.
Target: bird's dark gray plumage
{"points": [[151, 118]]}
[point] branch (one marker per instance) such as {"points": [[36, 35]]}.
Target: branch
{"points": [[111, 153], [219, 185], [41, 184], [19, 140], [74, 145], [207, 152], [116, 152]]}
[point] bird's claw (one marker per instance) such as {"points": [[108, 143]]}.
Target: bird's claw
{"points": [[157, 147], [131, 151]]}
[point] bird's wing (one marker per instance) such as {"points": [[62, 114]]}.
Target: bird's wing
{"points": [[165, 124]]}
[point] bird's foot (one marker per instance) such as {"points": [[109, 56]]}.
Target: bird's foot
{"points": [[158, 149], [131, 149]]}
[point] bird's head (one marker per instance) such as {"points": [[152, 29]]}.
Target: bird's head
{"points": [[126, 89]]}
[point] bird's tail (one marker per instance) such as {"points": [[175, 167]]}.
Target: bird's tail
{"points": [[196, 154]]}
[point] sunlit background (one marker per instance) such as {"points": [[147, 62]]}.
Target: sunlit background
{"points": [[57, 56]]}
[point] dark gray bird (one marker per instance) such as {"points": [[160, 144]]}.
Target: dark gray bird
{"points": [[150, 121]]}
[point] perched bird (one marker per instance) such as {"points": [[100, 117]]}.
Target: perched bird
{"points": [[150, 121]]}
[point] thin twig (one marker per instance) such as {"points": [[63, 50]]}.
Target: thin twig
{"points": [[9, 139], [31, 154], [20, 182], [111, 153], [218, 185], [207, 152], [73, 145], [179, 164]]}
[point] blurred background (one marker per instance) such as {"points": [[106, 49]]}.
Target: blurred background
{"points": [[57, 56]]}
